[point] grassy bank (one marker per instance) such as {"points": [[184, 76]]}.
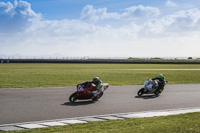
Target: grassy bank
{"points": [[169, 124], [47, 75]]}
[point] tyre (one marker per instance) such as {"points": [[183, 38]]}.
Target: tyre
{"points": [[141, 92], [73, 97], [97, 97], [157, 93]]}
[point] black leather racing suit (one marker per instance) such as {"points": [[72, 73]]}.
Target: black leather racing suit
{"points": [[161, 82]]}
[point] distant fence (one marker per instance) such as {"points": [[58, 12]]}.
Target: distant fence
{"points": [[116, 61]]}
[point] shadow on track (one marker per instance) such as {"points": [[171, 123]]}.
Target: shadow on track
{"points": [[78, 103], [147, 97]]}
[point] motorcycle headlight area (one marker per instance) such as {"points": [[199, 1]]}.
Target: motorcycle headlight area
{"points": [[80, 88], [149, 86]]}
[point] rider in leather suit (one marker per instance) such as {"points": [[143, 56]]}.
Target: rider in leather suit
{"points": [[87, 84], [161, 81]]}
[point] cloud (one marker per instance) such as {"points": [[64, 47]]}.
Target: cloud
{"points": [[16, 17], [170, 3], [90, 14], [141, 12], [179, 23], [79, 37]]}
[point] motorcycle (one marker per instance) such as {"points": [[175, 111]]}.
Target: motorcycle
{"points": [[151, 87], [84, 93]]}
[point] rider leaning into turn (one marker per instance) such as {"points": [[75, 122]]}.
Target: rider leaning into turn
{"points": [[98, 84], [96, 81], [161, 81]]}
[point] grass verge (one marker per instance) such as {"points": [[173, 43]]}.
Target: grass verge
{"points": [[15, 75], [183, 123]]}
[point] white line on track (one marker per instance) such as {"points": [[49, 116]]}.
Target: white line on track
{"points": [[66, 121]]}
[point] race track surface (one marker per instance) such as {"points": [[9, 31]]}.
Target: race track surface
{"points": [[35, 104]]}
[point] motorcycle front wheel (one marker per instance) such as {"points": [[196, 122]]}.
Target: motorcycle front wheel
{"points": [[157, 93], [141, 92], [97, 97], [73, 97]]}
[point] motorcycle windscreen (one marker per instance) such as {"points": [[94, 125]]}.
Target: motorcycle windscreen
{"points": [[149, 87]]}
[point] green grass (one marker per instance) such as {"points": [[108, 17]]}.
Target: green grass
{"points": [[49, 75], [184, 123]]}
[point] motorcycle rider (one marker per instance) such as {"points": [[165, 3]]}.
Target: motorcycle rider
{"points": [[98, 84], [87, 84], [161, 82]]}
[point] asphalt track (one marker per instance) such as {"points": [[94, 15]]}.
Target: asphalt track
{"points": [[35, 104]]}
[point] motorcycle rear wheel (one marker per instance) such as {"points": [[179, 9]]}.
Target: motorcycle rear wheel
{"points": [[141, 92], [73, 97]]}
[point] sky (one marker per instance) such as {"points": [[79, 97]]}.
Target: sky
{"points": [[99, 28]]}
